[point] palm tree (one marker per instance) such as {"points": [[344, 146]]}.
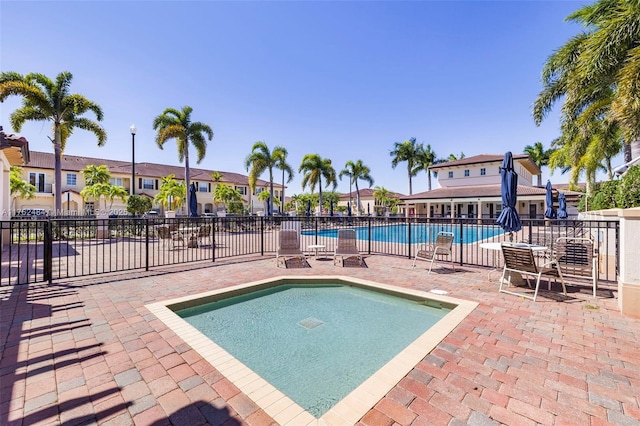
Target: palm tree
{"points": [[18, 187], [46, 100], [225, 194], [357, 171], [281, 163], [383, 195], [596, 75], [262, 159], [315, 168], [172, 194], [405, 151], [539, 155], [174, 124], [425, 159], [96, 174]]}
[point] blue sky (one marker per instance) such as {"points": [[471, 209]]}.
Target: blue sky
{"points": [[342, 79]]}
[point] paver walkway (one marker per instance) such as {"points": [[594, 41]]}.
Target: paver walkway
{"points": [[87, 351]]}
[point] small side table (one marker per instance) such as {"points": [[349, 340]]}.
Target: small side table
{"points": [[317, 247]]}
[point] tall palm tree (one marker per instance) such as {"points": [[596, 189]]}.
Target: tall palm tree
{"points": [[315, 168], [281, 163], [596, 74], [260, 160], [357, 171], [425, 159], [539, 155], [405, 151], [46, 100], [174, 124]]}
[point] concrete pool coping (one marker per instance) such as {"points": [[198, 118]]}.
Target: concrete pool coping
{"points": [[280, 407]]}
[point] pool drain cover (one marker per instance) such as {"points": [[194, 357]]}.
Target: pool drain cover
{"points": [[310, 323]]}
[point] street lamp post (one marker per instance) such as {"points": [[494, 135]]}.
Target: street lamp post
{"points": [[133, 159]]}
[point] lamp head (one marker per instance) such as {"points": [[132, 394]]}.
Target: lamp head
{"points": [[133, 129]]}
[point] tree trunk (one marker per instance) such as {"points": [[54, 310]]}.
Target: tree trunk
{"points": [[358, 196], [187, 180], [320, 196], [57, 173], [410, 187], [429, 179], [634, 150], [270, 192]]}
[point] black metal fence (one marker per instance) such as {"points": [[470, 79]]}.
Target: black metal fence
{"points": [[46, 250]]}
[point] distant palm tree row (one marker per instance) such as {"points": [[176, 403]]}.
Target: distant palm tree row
{"points": [[48, 100]]}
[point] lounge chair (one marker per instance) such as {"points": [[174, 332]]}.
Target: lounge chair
{"points": [[167, 236], [347, 246], [441, 249], [288, 246], [575, 257], [204, 233], [522, 260]]}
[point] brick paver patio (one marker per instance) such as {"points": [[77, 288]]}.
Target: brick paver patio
{"points": [[87, 351]]}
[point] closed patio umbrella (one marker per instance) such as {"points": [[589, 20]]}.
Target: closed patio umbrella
{"points": [[193, 201], [509, 219], [368, 210], [269, 206], [562, 206], [349, 209], [308, 211], [550, 213], [331, 209]]}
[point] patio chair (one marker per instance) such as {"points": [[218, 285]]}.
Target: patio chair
{"points": [[204, 233], [521, 260], [576, 257], [288, 246], [167, 236], [347, 246], [441, 249]]}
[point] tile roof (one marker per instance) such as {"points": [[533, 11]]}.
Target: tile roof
{"points": [[476, 191], [18, 145], [45, 160], [488, 158], [367, 192]]}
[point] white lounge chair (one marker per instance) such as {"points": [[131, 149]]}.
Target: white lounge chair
{"points": [[346, 246], [288, 246], [439, 250]]}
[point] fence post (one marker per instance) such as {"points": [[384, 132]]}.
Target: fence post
{"points": [[146, 243], [316, 230], [369, 239], [47, 253], [409, 232], [461, 242], [214, 225], [530, 232], [261, 235]]}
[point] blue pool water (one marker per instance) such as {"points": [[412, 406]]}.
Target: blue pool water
{"points": [[315, 343], [420, 233]]}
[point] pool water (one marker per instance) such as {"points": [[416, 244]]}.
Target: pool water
{"points": [[420, 233], [315, 343]]}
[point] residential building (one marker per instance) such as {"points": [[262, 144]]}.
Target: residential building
{"points": [[368, 203], [148, 177], [14, 151], [471, 188]]}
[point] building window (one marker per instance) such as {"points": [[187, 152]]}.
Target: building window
{"points": [[450, 175], [37, 180], [203, 187], [116, 182], [258, 191], [72, 179], [483, 171], [241, 189], [466, 173], [148, 183]]}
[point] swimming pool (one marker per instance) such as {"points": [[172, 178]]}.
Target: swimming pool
{"points": [[264, 388], [317, 343], [420, 232]]}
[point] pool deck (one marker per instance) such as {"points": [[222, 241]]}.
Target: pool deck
{"points": [[87, 351]]}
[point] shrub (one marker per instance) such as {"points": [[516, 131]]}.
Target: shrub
{"points": [[138, 205], [628, 194]]}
